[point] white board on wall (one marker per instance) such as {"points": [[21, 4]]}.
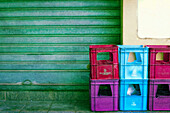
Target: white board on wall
{"points": [[154, 18]]}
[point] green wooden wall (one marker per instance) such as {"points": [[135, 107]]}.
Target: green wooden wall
{"points": [[44, 44]]}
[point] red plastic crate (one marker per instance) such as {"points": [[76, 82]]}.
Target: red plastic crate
{"points": [[159, 69], [104, 69]]}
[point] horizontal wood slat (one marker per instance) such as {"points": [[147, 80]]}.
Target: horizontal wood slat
{"points": [[35, 22], [59, 30], [61, 13], [47, 77], [59, 3], [60, 39], [68, 87]]}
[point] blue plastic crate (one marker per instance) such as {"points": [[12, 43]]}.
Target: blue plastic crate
{"points": [[138, 69], [133, 94]]}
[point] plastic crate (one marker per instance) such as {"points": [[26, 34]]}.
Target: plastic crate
{"points": [[104, 95], [133, 94], [137, 69], [159, 69], [159, 94], [104, 69]]}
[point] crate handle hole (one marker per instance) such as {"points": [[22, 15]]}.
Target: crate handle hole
{"points": [[159, 56], [132, 57], [162, 57], [104, 90], [105, 57], [133, 89], [163, 90]]}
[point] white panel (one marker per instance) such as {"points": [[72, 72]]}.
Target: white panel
{"points": [[154, 18]]}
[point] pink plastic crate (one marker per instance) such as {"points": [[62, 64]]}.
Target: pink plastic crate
{"points": [[159, 94], [104, 95], [104, 69], [159, 69]]}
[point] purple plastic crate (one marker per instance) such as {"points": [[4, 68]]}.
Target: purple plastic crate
{"points": [[159, 94], [104, 95]]}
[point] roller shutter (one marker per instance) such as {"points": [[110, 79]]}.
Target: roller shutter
{"points": [[44, 45]]}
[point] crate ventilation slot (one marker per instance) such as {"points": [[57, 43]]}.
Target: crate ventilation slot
{"points": [[103, 56], [133, 89], [134, 57], [163, 90], [104, 90], [162, 57]]}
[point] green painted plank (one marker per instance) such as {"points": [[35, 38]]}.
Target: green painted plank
{"points": [[45, 53], [57, 17], [44, 49], [88, 21], [60, 57], [121, 18], [47, 48], [60, 13], [72, 96], [30, 95], [58, 8], [60, 3], [43, 88], [41, 66], [47, 95], [60, 30], [44, 62], [45, 77], [2, 95], [98, 39], [43, 57]]}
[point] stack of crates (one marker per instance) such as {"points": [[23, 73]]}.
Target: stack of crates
{"points": [[104, 78], [159, 83], [133, 77]]}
